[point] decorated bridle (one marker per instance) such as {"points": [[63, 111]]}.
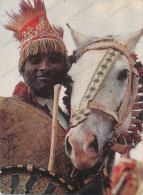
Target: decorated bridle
{"points": [[79, 114], [115, 48]]}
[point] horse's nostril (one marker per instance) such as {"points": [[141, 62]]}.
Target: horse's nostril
{"points": [[68, 146], [94, 144]]}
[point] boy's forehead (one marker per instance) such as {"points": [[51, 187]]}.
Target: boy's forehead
{"points": [[54, 54]]}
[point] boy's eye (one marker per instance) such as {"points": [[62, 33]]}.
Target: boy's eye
{"points": [[55, 60], [35, 60]]}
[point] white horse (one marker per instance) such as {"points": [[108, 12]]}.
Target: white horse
{"points": [[100, 113]]}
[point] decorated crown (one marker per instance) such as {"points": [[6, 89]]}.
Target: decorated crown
{"points": [[32, 28]]}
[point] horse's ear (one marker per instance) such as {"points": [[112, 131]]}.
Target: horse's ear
{"points": [[78, 38], [132, 39]]}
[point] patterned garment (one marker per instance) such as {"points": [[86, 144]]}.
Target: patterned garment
{"points": [[127, 177]]}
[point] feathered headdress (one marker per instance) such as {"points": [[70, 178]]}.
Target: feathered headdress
{"points": [[32, 28]]}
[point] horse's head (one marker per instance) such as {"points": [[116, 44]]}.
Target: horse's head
{"points": [[104, 89]]}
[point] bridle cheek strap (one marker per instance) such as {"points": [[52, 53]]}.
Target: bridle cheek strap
{"points": [[128, 101]]}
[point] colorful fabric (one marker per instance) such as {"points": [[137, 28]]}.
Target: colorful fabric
{"points": [[119, 169], [127, 177], [38, 28], [25, 92]]}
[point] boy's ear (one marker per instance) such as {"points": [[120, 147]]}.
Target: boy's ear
{"points": [[22, 69]]}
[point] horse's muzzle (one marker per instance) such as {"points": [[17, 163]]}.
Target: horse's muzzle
{"points": [[82, 155]]}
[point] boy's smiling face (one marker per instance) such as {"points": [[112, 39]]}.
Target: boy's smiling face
{"points": [[43, 71]]}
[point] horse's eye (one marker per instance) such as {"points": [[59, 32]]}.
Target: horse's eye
{"points": [[123, 75]]}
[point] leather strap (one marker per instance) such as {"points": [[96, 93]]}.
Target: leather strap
{"points": [[121, 148], [100, 107], [128, 102]]}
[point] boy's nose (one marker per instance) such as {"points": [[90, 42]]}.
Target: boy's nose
{"points": [[45, 64]]}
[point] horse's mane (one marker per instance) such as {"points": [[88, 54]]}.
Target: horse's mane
{"points": [[136, 127], [67, 81]]}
